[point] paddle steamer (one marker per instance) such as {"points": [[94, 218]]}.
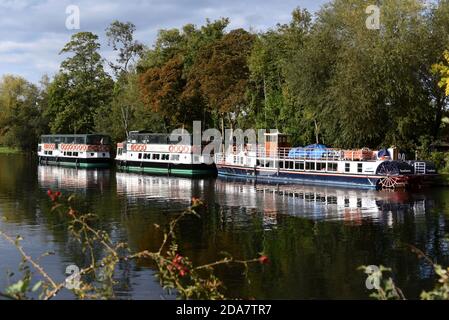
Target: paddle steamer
{"points": [[276, 162]]}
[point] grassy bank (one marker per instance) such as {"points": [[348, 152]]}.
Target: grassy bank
{"points": [[7, 150]]}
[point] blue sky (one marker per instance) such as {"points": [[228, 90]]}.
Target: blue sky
{"points": [[32, 32]]}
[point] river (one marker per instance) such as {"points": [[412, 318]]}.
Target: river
{"points": [[315, 237]]}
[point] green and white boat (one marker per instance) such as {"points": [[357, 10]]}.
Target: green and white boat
{"points": [[75, 150], [157, 154]]}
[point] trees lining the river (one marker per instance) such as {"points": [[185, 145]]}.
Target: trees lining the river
{"points": [[322, 75]]}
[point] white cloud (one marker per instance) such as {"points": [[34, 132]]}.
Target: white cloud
{"points": [[32, 32]]}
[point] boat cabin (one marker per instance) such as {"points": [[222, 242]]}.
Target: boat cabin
{"points": [[80, 150]]}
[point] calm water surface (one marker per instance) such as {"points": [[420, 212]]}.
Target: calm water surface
{"points": [[316, 237]]}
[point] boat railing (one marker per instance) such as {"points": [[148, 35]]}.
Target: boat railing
{"points": [[300, 154], [325, 154]]}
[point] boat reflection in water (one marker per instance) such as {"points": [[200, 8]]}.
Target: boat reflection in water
{"points": [[73, 180], [322, 203], [240, 199], [140, 186]]}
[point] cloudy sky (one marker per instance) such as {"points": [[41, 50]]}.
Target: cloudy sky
{"points": [[32, 32]]}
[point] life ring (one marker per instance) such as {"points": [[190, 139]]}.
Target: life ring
{"points": [[138, 147], [185, 149], [171, 148]]}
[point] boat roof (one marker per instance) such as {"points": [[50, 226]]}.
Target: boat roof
{"points": [[74, 135]]}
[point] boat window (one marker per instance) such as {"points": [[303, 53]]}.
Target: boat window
{"points": [[332, 166], [119, 152], [98, 140], [347, 167], [75, 154], [310, 165], [165, 157], [281, 164], [359, 167], [50, 152], [332, 200], [80, 140], [140, 156], [69, 153], [92, 154], [175, 157], [69, 140], [320, 166], [156, 156]]}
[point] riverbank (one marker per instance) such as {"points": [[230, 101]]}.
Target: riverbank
{"points": [[8, 150]]}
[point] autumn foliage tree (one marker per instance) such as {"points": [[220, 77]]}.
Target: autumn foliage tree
{"points": [[221, 74]]}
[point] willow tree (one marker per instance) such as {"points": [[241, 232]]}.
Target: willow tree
{"points": [[368, 87]]}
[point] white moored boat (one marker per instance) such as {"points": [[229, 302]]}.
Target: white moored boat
{"points": [[75, 150], [157, 154], [275, 161]]}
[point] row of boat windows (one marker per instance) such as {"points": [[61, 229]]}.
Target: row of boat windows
{"points": [[158, 156], [301, 165], [329, 200], [77, 139], [70, 153]]}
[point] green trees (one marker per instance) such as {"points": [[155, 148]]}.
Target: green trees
{"points": [[273, 103], [168, 78], [81, 89], [370, 87], [20, 113], [126, 111], [325, 78]]}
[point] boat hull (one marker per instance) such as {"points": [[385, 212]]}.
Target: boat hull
{"points": [[274, 176], [162, 168], [76, 162]]}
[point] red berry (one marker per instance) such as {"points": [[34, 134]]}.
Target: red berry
{"points": [[264, 260], [49, 192]]}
